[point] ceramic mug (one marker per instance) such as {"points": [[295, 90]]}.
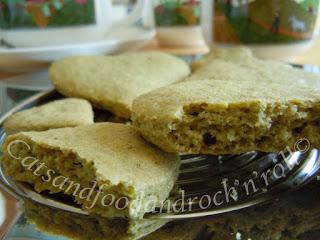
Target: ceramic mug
{"points": [[271, 28], [36, 23], [180, 23]]}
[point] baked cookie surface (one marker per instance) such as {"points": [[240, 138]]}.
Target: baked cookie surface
{"points": [[68, 112], [129, 177], [113, 82], [239, 64], [228, 117], [234, 54]]}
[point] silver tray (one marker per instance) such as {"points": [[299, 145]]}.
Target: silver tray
{"points": [[204, 174]]}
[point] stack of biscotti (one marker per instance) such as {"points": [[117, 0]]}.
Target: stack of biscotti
{"points": [[106, 168], [230, 105]]}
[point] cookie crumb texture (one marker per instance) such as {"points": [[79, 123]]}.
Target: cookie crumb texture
{"points": [[107, 156], [223, 117]]}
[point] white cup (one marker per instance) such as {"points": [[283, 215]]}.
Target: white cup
{"points": [[173, 32], [72, 34]]}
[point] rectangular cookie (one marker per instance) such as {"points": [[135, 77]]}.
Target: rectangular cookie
{"points": [[228, 117], [107, 167]]}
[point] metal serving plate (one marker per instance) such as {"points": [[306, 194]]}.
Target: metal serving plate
{"points": [[202, 175]]}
